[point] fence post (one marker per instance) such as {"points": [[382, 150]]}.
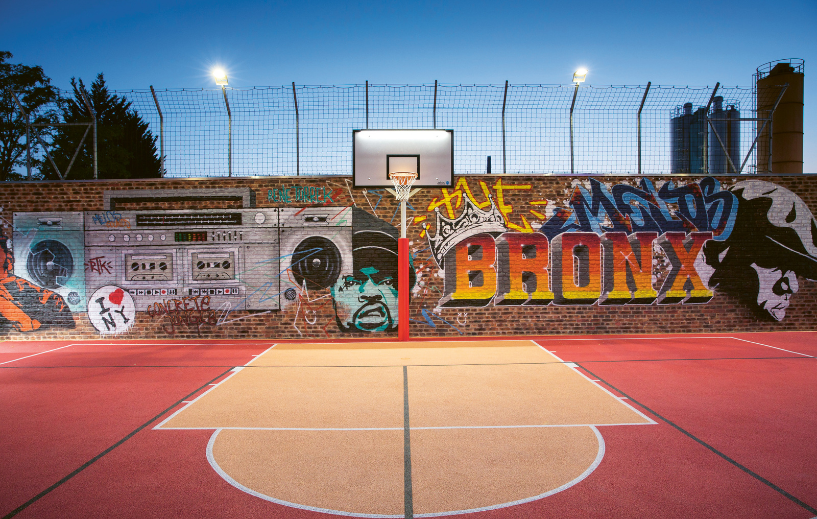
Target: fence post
{"points": [[435, 104], [161, 132], [706, 115], [641, 107], [504, 101], [93, 114], [367, 104], [298, 130], [573, 104], [229, 133], [766, 121]]}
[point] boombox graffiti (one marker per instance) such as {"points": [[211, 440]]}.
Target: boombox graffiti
{"points": [[750, 241]]}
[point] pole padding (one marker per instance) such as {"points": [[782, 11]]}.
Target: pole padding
{"points": [[404, 289]]}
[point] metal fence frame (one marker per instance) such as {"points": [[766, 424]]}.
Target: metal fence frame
{"points": [[533, 129]]}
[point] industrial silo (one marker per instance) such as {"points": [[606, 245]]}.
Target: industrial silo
{"points": [[780, 145], [727, 124], [688, 140]]}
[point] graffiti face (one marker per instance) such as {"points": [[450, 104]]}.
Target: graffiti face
{"points": [[772, 243], [366, 301], [775, 290]]}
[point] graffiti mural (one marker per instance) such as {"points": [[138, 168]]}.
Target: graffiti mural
{"points": [[24, 306], [111, 310], [773, 242], [321, 261], [193, 312], [751, 241], [364, 295]]}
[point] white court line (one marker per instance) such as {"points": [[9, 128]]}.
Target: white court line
{"points": [[427, 428], [773, 347], [34, 355], [652, 422], [221, 472], [228, 377]]}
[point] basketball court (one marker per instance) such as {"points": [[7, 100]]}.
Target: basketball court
{"points": [[614, 426]]}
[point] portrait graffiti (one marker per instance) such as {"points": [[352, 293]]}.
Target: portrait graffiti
{"points": [[365, 293], [773, 242]]}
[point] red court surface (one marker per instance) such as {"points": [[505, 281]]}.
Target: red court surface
{"points": [[735, 432]]}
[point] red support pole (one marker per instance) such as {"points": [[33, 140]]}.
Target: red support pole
{"points": [[404, 289]]}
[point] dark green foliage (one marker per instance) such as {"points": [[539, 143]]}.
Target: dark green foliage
{"points": [[126, 148], [35, 93]]}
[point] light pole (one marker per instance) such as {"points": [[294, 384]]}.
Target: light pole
{"points": [[578, 77], [220, 75]]}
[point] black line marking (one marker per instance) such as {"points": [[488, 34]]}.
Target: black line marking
{"points": [[709, 447], [408, 498], [106, 451], [420, 365]]}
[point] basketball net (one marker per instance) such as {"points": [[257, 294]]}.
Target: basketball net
{"points": [[402, 181]]}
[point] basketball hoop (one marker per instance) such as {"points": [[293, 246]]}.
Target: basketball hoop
{"points": [[402, 181]]}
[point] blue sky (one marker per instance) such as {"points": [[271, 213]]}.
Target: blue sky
{"points": [[175, 44]]}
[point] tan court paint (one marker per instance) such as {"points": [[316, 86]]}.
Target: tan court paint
{"points": [[461, 469], [358, 385], [352, 354], [301, 397], [550, 394], [354, 471]]}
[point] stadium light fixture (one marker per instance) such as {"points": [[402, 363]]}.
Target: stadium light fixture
{"points": [[580, 75], [220, 75]]}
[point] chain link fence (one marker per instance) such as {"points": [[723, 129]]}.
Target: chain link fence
{"points": [[526, 129]]}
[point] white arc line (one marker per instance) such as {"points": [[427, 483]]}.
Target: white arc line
{"points": [[221, 472]]}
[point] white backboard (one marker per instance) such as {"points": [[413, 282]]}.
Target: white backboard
{"points": [[376, 153]]}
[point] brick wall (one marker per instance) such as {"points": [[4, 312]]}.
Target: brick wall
{"points": [[312, 295]]}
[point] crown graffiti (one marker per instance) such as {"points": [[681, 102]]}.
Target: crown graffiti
{"points": [[472, 221]]}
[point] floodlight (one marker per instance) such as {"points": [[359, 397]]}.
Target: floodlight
{"points": [[220, 75], [580, 75]]}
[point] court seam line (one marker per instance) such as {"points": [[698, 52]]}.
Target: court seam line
{"points": [[408, 495], [104, 344], [593, 361], [649, 420], [107, 366], [605, 338], [100, 455], [714, 450], [233, 371]]}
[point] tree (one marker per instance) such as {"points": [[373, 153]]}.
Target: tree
{"points": [[126, 148], [35, 92]]}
